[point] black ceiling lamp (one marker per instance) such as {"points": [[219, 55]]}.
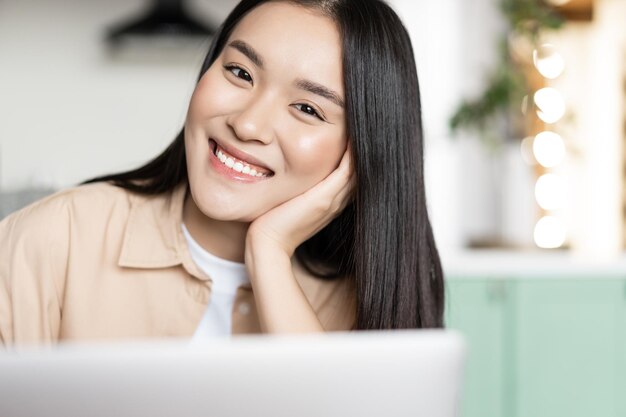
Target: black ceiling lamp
{"points": [[165, 19]]}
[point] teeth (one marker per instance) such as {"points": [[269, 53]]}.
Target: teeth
{"points": [[238, 166]]}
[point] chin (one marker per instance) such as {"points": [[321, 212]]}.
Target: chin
{"points": [[225, 208]]}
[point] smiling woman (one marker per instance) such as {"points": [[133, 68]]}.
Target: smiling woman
{"points": [[259, 106], [291, 201]]}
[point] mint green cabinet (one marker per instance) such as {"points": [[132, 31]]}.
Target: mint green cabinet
{"points": [[541, 347], [567, 347], [477, 308], [621, 355]]}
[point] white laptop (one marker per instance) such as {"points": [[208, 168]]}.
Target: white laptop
{"points": [[362, 374]]}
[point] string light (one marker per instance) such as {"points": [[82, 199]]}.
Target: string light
{"points": [[548, 148], [550, 192], [548, 61], [549, 232], [550, 104]]}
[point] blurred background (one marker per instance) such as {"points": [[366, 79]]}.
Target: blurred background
{"points": [[523, 108]]}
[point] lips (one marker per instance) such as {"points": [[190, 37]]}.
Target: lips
{"points": [[240, 157]]}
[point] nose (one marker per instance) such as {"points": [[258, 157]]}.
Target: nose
{"points": [[252, 122]]}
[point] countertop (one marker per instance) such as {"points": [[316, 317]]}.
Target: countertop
{"points": [[531, 264]]}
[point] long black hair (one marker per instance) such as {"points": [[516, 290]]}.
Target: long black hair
{"points": [[383, 240]]}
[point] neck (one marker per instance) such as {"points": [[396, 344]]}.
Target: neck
{"points": [[224, 239]]}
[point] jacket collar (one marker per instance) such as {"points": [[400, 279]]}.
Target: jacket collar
{"points": [[154, 238]]}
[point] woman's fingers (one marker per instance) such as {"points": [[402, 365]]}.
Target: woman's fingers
{"points": [[340, 177], [294, 221]]}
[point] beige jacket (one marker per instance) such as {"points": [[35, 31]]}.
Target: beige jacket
{"points": [[100, 262]]}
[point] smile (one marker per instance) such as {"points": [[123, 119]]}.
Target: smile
{"points": [[237, 165]]}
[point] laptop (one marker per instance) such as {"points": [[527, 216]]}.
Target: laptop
{"points": [[361, 374]]}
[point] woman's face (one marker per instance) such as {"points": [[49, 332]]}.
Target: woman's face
{"points": [[266, 121]]}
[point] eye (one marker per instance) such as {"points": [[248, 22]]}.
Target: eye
{"points": [[239, 72], [305, 108]]}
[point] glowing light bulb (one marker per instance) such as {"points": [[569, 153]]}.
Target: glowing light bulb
{"points": [[550, 191], [549, 232], [549, 149], [550, 104], [548, 61]]}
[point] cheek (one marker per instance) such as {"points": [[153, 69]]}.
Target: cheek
{"points": [[211, 96], [314, 157]]}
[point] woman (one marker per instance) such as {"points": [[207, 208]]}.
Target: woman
{"points": [[291, 201]]}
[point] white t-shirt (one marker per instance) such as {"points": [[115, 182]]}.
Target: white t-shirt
{"points": [[226, 277]]}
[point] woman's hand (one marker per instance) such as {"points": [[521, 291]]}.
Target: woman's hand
{"points": [[291, 223], [271, 241]]}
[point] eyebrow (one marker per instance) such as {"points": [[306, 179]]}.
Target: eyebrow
{"points": [[320, 90], [248, 51], [307, 85]]}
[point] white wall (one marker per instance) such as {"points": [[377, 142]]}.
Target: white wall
{"points": [[455, 47], [68, 109]]}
